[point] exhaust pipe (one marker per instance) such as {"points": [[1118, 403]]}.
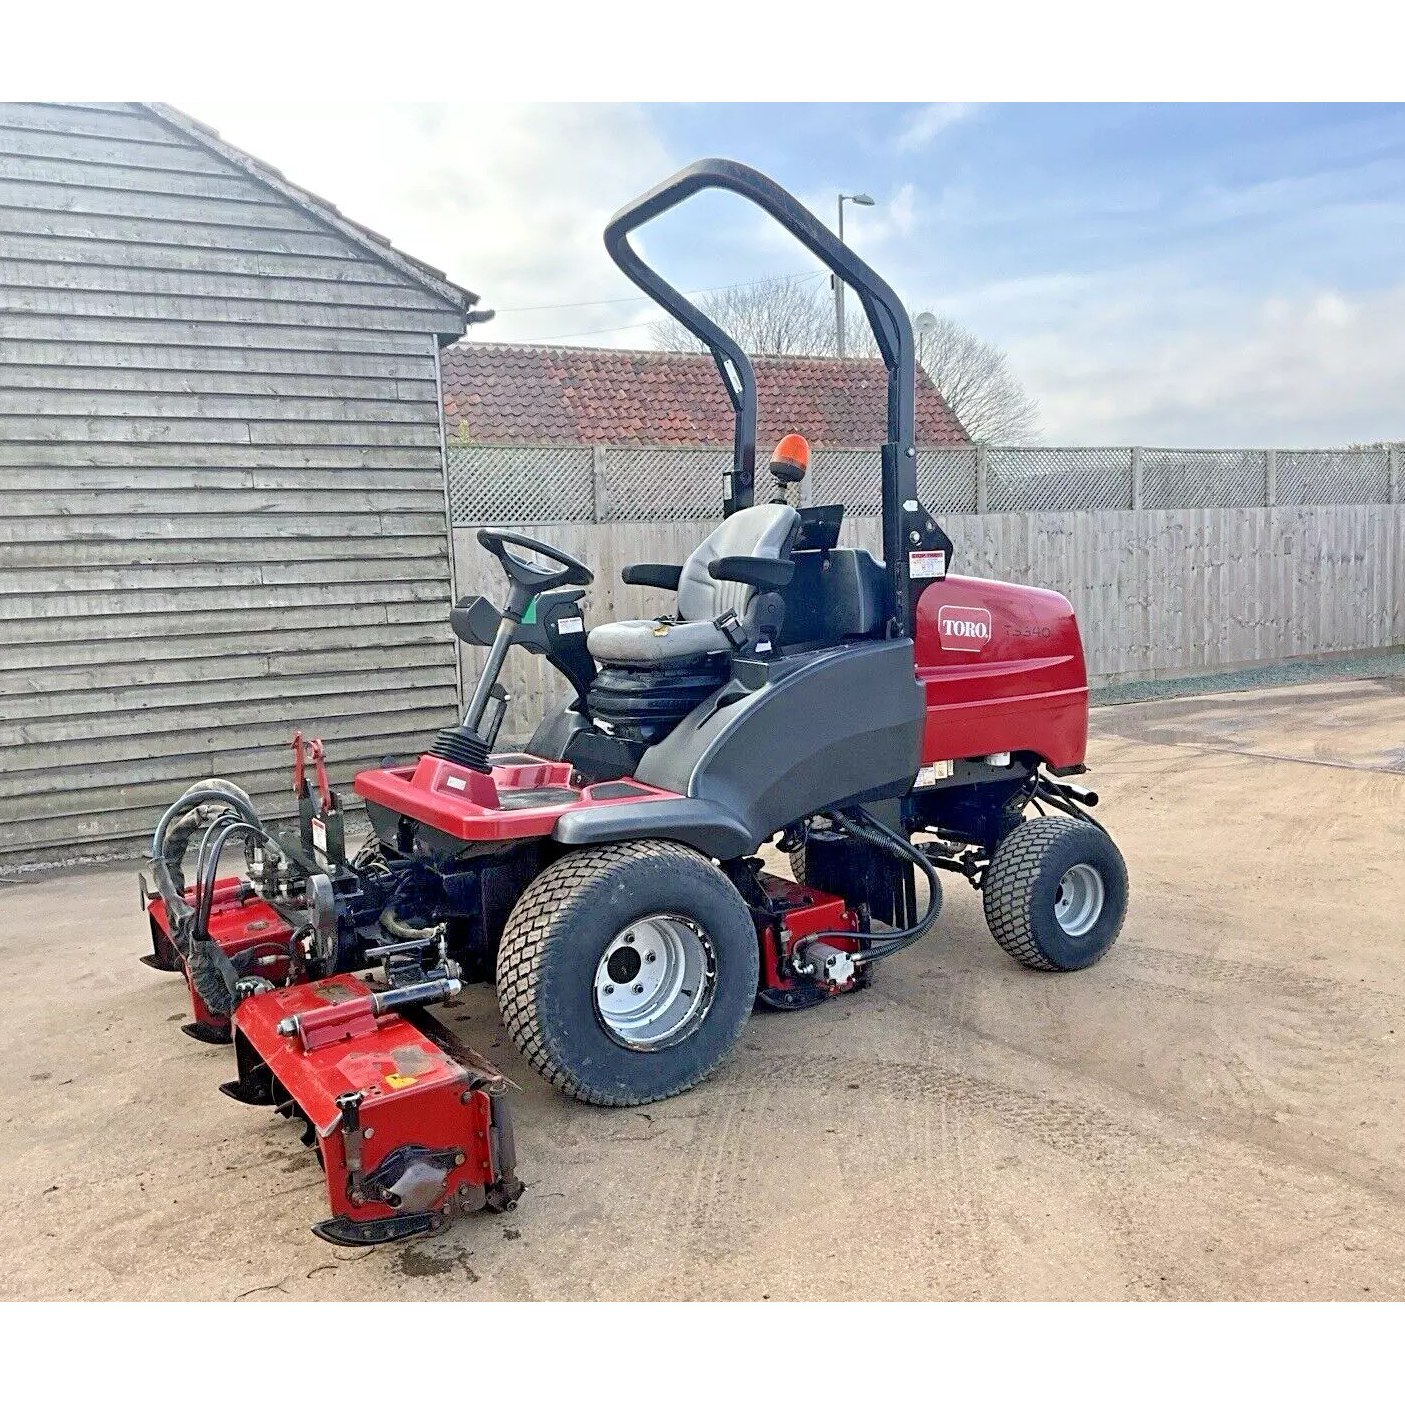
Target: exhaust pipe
{"points": [[1078, 793]]}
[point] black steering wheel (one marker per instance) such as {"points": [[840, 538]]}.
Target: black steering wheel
{"points": [[532, 580]]}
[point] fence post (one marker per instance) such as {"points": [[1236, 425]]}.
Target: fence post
{"points": [[1270, 477], [1394, 461], [1136, 479], [982, 491], [597, 465]]}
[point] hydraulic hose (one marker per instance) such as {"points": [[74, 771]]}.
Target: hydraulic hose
{"points": [[175, 830], [871, 831], [402, 930], [207, 874], [211, 973]]}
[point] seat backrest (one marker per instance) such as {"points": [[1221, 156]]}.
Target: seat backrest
{"points": [[767, 530]]}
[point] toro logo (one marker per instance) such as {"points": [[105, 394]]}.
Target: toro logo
{"points": [[963, 628]]}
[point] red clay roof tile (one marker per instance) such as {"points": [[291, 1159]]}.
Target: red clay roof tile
{"points": [[497, 392]]}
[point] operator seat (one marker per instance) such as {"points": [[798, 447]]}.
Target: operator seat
{"points": [[764, 532]]}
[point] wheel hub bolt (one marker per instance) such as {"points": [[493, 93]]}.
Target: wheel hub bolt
{"points": [[639, 990], [609, 990], [629, 938], [648, 956]]}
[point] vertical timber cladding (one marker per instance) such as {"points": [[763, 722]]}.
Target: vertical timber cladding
{"points": [[222, 509]]}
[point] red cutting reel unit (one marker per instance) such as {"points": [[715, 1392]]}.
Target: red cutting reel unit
{"points": [[789, 925], [410, 1125], [245, 928]]}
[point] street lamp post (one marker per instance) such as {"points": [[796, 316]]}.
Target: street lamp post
{"points": [[838, 281]]}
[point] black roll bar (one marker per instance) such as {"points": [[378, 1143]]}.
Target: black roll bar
{"points": [[907, 527]]}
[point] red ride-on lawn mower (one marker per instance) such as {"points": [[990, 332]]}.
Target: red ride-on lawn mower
{"points": [[876, 719]]}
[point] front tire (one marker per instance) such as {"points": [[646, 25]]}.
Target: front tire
{"points": [[627, 972], [1055, 893]]}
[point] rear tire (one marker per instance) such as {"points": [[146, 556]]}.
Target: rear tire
{"points": [[570, 962], [1055, 894]]}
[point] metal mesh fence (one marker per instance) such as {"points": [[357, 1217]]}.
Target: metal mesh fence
{"points": [[947, 480], [663, 485], [493, 483], [1204, 478], [1058, 480], [573, 483], [851, 476], [1333, 475]]}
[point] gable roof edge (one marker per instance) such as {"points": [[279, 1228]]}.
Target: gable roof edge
{"points": [[376, 245]]}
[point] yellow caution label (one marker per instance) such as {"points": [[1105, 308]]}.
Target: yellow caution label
{"points": [[398, 1080]]}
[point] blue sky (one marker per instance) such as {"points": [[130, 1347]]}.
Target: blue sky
{"points": [[1173, 274]]}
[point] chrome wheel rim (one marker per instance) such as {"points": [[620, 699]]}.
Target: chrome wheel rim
{"points": [[655, 981], [1079, 900]]}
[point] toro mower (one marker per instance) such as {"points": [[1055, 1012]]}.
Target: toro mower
{"points": [[879, 721]]}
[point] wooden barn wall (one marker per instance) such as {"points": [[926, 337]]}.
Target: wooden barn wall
{"points": [[222, 508], [1158, 594]]}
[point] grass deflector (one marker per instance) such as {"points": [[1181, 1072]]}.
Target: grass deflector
{"points": [[878, 720]]}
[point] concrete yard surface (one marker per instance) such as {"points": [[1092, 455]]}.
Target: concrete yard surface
{"points": [[1214, 1111]]}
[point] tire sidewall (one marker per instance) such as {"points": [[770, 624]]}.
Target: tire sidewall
{"points": [[1019, 904], [1082, 843], [676, 882]]}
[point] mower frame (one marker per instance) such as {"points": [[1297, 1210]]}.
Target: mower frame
{"points": [[907, 702]]}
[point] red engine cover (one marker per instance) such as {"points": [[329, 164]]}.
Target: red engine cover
{"points": [[1003, 669]]}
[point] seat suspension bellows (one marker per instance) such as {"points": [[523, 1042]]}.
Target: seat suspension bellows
{"points": [[645, 703]]}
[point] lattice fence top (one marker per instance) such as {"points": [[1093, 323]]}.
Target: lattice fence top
{"points": [[1334, 475], [1204, 478], [521, 484], [1058, 480], [663, 485], [579, 483]]}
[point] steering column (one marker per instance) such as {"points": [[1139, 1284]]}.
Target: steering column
{"points": [[526, 580]]}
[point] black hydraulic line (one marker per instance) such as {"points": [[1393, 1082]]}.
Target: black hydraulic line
{"points": [[401, 930], [168, 843], [213, 974], [889, 943], [205, 877], [246, 954], [872, 831], [216, 827]]}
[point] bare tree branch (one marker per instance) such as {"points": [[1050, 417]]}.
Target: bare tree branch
{"points": [[778, 317], [784, 317], [974, 379]]}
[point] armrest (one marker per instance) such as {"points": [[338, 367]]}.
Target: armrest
{"points": [[763, 572], [661, 577]]}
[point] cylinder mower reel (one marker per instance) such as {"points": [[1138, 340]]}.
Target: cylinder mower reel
{"points": [[883, 721], [410, 1126]]}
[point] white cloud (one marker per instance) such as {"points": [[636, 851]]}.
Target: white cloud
{"points": [[930, 121], [508, 200], [511, 201], [1318, 370], [901, 209]]}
